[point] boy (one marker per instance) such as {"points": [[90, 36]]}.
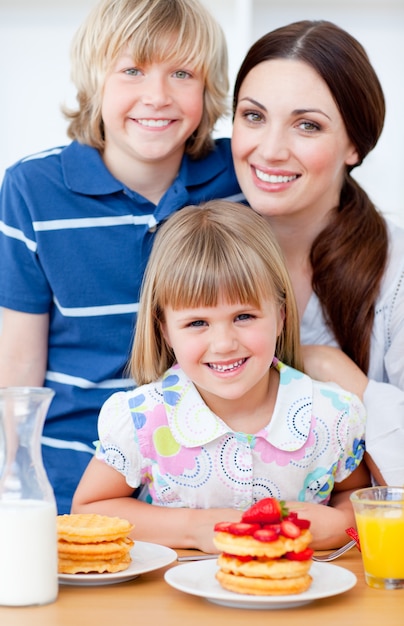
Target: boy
{"points": [[77, 222]]}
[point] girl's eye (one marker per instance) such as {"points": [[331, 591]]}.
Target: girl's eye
{"points": [[197, 324], [244, 316], [309, 127], [133, 71], [182, 74]]}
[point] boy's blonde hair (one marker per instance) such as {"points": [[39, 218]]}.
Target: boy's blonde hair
{"points": [[152, 30], [200, 254]]}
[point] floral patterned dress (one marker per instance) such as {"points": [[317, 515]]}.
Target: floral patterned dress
{"points": [[164, 436]]}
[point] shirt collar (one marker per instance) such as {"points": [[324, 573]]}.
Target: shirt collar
{"points": [[85, 172], [193, 424]]}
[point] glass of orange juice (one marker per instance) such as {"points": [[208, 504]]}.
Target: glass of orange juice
{"points": [[379, 514]]}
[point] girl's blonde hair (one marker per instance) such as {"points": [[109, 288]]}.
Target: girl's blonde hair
{"points": [[200, 254], [153, 31]]}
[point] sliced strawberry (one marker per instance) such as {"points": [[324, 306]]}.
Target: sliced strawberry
{"points": [[222, 527], [275, 527], [265, 511], [304, 555], [241, 528], [266, 534], [245, 558], [303, 524], [289, 529]]}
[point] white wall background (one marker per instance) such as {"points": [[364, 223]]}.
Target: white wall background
{"points": [[35, 38]]}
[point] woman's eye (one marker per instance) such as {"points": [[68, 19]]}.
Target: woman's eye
{"points": [[309, 126], [252, 116]]}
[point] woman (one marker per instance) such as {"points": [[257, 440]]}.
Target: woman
{"points": [[308, 108]]}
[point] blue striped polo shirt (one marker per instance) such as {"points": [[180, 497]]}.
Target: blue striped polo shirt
{"points": [[74, 242]]}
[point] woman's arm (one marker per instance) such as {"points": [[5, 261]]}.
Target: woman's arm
{"points": [[23, 348], [384, 402]]}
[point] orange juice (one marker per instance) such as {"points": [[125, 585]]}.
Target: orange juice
{"points": [[381, 535]]}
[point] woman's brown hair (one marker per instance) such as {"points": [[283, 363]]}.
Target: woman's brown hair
{"points": [[349, 256]]}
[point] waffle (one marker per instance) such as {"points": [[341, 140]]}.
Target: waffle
{"points": [[91, 528], [89, 542], [264, 586], [67, 566], [248, 546], [266, 553], [263, 568]]}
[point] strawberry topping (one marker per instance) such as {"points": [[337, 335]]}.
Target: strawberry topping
{"points": [[304, 555], [290, 530], [302, 523], [243, 558], [222, 527], [266, 534], [242, 529], [266, 511]]}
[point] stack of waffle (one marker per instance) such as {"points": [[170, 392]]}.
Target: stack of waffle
{"points": [[93, 543]]}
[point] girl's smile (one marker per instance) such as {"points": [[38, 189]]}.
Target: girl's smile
{"points": [[226, 368]]}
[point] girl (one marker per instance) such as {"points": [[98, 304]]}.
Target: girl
{"points": [[222, 417], [151, 78], [308, 108]]}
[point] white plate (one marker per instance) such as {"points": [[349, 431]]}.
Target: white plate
{"points": [[198, 578], [146, 557]]}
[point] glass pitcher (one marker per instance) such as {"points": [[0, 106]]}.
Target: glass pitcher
{"points": [[28, 533]]}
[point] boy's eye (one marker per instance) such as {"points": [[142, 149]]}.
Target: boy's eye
{"points": [[182, 74], [132, 71]]}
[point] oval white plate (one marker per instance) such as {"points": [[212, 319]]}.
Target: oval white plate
{"points": [[146, 557], [198, 578]]}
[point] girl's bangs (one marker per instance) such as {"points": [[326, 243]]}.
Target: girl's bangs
{"points": [[200, 286]]}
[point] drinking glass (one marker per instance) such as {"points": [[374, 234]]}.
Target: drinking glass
{"points": [[379, 514]]}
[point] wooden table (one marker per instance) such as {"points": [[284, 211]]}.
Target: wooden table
{"points": [[148, 599]]}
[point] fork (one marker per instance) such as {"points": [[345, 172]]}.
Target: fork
{"points": [[334, 555]]}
